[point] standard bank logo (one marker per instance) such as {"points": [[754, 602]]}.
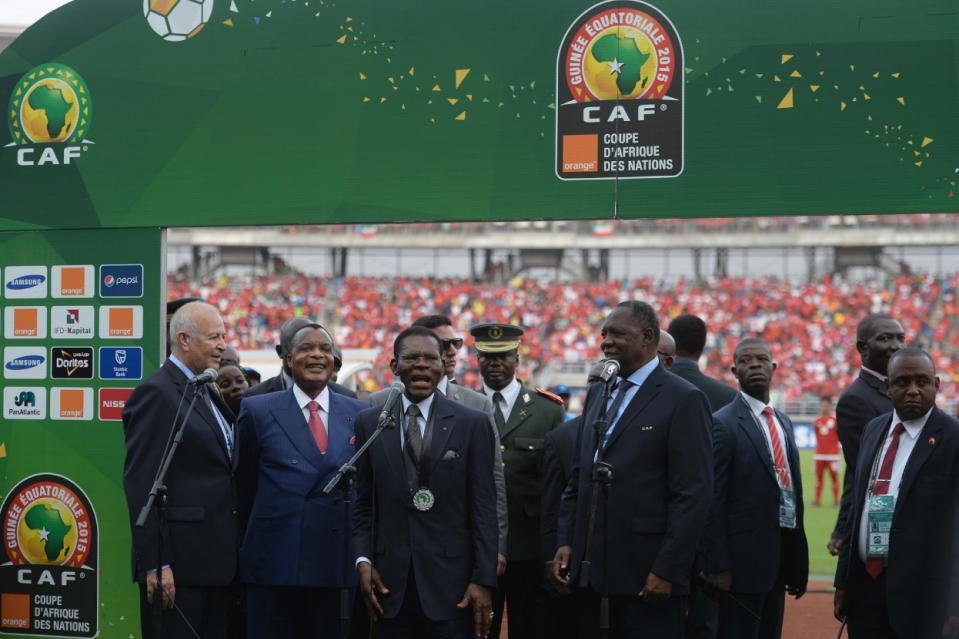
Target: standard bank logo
{"points": [[49, 116], [25, 282], [24, 362], [121, 362], [24, 403], [121, 280]]}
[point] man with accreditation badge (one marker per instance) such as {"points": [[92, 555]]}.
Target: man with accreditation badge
{"points": [[898, 570], [425, 529]]}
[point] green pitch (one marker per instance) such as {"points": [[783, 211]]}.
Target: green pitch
{"points": [[819, 521]]}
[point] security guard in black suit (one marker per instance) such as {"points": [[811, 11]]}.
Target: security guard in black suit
{"points": [[523, 416]]}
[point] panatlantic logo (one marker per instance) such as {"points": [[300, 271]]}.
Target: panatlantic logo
{"points": [[51, 542], [619, 88], [49, 115]]}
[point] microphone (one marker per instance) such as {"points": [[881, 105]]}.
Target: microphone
{"points": [[396, 391], [610, 371], [209, 375]]}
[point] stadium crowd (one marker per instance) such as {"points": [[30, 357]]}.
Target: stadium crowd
{"points": [[806, 324]]}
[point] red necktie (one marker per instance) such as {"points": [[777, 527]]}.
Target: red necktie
{"points": [[779, 458], [874, 565], [316, 427]]}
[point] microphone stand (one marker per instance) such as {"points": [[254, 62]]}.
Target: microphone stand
{"points": [[344, 478], [601, 477], [158, 499]]}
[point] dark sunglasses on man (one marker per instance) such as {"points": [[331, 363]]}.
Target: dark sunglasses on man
{"points": [[456, 342]]}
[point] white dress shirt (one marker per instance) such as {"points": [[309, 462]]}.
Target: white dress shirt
{"points": [[323, 399], [510, 394], [757, 408], [225, 427], [907, 442]]}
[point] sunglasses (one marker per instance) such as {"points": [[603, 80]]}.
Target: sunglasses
{"points": [[456, 342]]}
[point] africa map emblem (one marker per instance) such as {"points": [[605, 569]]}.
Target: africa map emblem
{"points": [[619, 93], [50, 104]]}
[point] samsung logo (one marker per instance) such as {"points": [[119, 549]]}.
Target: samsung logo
{"points": [[25, 363], [25, 282]]}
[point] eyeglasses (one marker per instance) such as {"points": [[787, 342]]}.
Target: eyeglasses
{"points": [[456, 342]]}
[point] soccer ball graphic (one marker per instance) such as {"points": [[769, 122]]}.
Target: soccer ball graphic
{"points": [[177, 20]]}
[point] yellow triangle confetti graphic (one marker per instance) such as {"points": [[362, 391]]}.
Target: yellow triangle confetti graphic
{"points": [[348, 19], [896, 74], [842, 106], [865, 96], [341, 39], [362, 77], [412, 71], [926, 141], [228, 22], [452, 100], [436, 88], [461, 117], [786, 57], [469, 96], [3, 449], [659, 88], [919, 163], [382, 100], [460, 76], [876, 74], [366, 99], [776, 78], [787, 101], [813, 87], [795, 74], [901, 100]]}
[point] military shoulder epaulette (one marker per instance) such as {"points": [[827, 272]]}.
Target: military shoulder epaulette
{"points": [[552, 396]]}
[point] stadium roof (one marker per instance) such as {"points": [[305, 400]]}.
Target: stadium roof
{"points": [[17, 15]]}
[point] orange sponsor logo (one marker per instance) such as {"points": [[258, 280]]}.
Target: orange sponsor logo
{"points": [[71, 403], [73, 281], [14, 611], [121, 322], [25, 322], [581, 153]]}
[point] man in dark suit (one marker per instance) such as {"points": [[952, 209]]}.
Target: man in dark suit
{"points": [[878, 336], [293, 442], [523, 417], [689, 332], [559, 448], [284, 380], [898, 570], [434, 555], [666, 351], [649, 519], [200, 537], [755, 543]]}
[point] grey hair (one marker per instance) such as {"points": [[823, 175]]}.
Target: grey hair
{"points": [[184, 320]]}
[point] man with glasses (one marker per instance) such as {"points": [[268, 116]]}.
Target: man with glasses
{"points": [[523, 416]]}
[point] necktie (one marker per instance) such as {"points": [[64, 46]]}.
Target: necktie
{"points": [[779, 457], [621, 388], [874, 565], [498, 411], [414, 444], [317, 429], [225, 426]]}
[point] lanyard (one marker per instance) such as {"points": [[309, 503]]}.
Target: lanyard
{"points": [[874, 471], [422, 463]]}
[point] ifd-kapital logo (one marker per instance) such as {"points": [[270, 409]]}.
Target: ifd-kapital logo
{"points": [[49, 115]]}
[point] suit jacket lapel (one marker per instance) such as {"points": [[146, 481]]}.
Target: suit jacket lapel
{"points": [[874, 383], [339, 427], [289, 416], [932, 431], [390, 443], [519, 414], [443, 425], [641, 399], [200, 408], [747, 423]]}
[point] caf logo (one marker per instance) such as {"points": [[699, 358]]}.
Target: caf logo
{"points": [[51, 523], [50, 104]]}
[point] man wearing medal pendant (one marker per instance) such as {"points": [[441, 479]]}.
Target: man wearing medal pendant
{"points": [[898, 570], [434, 560]]}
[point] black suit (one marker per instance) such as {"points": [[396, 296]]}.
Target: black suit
{"points": [[717, 393], [427, 559], [202, 530], [559, 448], [743, 534], [277, 383], [920, 585], [864, 400], [653, 514]]}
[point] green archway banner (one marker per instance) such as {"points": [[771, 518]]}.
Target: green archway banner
{"points": [[333, 111]]}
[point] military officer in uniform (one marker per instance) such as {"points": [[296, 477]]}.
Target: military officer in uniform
{"points": [[523, 417]]}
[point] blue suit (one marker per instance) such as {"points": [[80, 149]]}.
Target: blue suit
{"points": [[294, 535]]}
